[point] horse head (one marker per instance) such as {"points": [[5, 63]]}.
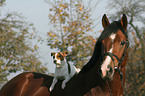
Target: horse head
{"points": [[114, 39]]}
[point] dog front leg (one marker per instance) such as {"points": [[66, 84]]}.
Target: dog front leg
{"points": [[64, 82], [53, 84]]}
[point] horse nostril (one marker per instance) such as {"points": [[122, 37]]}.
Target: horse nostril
{"points": [[110, 69]]}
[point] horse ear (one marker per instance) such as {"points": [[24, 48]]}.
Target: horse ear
{"points": [[65, 53], [52, 53], [105, 21], [123, 22]]}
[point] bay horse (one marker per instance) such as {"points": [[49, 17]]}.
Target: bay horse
{"points": [[103, 75]]}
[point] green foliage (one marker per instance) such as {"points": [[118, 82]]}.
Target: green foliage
{"points": [[17, 53], [135, 70], [70, 22]]}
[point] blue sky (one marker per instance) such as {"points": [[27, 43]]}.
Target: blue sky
{"points": [[36, 12]]}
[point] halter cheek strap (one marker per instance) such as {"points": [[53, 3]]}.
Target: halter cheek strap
{"points": [[113, 55]]}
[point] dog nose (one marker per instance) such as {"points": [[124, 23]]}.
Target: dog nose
{"points": [[54, 61]]}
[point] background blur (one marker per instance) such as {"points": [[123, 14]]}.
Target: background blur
{"points": [[31, 30]]}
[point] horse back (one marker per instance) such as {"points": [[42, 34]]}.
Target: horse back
{"points": [[27, 84]]}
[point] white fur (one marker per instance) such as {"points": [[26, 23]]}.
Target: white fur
{"points": [[57, 61], [63, 73], [106, 62], [113, 36], [108, 59]]}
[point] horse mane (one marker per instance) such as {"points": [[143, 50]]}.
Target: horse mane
{"points": [[94, 58], [98, 50]]}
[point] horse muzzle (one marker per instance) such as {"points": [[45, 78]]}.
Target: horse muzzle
{"points": [[107, 73]]}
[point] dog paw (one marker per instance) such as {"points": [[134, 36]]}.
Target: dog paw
{"points": [[50, 89], [63, 85]]}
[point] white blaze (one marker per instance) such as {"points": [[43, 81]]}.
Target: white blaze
{"points": [[113, 36], [108, 59]]}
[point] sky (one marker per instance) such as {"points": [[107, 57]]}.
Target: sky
{"points": [[36, 12]]}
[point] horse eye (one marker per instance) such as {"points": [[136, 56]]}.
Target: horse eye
{"points": [[122, 43]]}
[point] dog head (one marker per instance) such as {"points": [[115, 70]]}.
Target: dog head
{"points": [[58, 57]]}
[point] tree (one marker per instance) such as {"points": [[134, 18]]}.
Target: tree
{"points": [[17, 52], [135, 71], [2, 2], [71, 25]]}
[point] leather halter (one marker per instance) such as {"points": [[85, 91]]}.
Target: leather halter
{"points": [[113, 55], [117, 68], [120, 60]]}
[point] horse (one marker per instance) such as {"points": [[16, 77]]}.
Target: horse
{"points": [[103, 75]]}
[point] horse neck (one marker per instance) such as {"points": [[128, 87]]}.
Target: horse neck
{"points": [[92, 77], [95, 59], [84, 80], [91, 70], [88, 77]]}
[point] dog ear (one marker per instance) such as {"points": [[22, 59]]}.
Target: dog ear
{"points": [[65, 53], [52, 53]]}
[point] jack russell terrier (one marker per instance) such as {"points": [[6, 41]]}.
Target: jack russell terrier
{"points": [[63, 71]]}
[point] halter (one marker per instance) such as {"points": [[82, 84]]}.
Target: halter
{"points": [[113, 55], [120, 60]]}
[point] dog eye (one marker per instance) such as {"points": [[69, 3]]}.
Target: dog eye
{"points": [[122, 43], [53, 57], [58, 56]]}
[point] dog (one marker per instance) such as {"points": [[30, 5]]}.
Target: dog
{"points": [[63, 71]]}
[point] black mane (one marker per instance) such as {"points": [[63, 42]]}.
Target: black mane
{"points": [[97, 55]]}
